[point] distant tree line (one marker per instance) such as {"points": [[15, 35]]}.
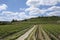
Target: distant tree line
{"points": [[53, 18], [4, 22], [7, 22]]}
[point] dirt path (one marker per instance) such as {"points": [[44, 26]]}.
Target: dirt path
{"points": [[32, 34], [41, 34], [46, 37], [26, 34], [38, 34]]}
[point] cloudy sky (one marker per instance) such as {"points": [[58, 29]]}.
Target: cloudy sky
{"points": [[25, 9]]}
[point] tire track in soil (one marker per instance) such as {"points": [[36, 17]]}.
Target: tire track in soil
{"points": [[38, 33], [46, 37], [52, 36], [24, 36], [32, 36]]}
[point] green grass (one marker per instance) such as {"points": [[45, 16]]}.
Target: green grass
{"points": [[15, 28], [52, 28]]}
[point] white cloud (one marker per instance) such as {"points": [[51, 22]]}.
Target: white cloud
{"points": [[9, 13], [14, 15], [3, 7], [22, 15], [55, 13], [54, 8], [34, 4], [34, 10], [48, 2], [41, 2]]}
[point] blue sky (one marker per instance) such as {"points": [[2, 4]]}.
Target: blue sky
{"points": [[14, 5], [25, 9]]}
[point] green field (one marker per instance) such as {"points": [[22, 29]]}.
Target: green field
{"points": [[45, 32], [53, 29], [14, 30], [50, 25]]}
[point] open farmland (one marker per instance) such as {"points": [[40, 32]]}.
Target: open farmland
{"points": [[29, 19], [14, 30], [45, 32], [47, 28], [52, 30]]}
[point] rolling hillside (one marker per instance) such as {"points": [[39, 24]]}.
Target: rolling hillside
{"points": [[14, 30]]}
